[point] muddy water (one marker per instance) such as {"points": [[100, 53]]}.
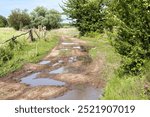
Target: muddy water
{"points": [[77, 47], [68, 43], [72, 59], [32, 80], [58, 63], [78, 92], [44, 62], [59, 71], [82, 93]]}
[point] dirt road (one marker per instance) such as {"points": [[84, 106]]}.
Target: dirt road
{"points": [[66, 73]]}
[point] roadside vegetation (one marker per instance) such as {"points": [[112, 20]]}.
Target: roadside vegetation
{"points": [[14, 55], [119, 31]]}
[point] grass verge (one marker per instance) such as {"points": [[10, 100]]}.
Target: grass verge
{"points": [[117, 87], [23, 52]]}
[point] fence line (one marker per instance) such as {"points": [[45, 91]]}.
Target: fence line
{"points": [[30, 32]]}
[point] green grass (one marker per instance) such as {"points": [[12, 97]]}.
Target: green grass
{"points": [[7, 33], [25, 51], [125, 88], [117, 87]]}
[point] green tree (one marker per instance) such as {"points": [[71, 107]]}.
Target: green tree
{"points": [[3, 21], [18, 19], [87, 15], [133, 41], [42, 16]]}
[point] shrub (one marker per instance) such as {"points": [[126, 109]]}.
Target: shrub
{"points": [[133, 41]]}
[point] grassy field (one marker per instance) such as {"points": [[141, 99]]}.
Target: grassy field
{"points": [[14, 56], [7, 33], [117, 87]]}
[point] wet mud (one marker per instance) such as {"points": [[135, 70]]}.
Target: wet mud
{"points": [[66, 73]]}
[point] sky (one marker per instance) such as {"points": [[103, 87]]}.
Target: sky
{"points": [[7, 5]]}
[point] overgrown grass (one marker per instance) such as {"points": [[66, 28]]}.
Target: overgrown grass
{"points": [[7, 33], [24, 52], [125, 88], [117, 87]]}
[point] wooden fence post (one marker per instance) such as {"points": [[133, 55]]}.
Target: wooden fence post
{"points": [[31, 35]]}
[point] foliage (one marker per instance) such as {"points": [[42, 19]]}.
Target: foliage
{"points": [[14, 55], [18, 19], [87, 15], [133, 41], [3, 21], [118, 87], [42, 16]]}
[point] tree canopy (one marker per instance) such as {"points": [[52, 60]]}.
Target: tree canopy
{"points": [[42, 16], [3, 21], [18, 19], [87, 15]]}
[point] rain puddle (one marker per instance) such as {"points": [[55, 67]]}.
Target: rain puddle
{"points": [[68, 43], [44, 62], [32, 80], [59, 62], [77, 47], [72, 59], [59, 71], [82, 93], [64, 49]]}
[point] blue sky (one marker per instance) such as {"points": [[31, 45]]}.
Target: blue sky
{"points": [[7, 5]]}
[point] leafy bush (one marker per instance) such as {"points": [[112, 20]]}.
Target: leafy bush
{"points": [[133, 41], [18, 19], [3, 21], [5, 54]]}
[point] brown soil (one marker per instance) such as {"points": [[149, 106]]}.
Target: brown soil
{"points": [[83, 71]]}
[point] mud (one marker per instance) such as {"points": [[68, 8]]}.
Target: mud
{"points": [[69, 75], [44, 62], [81, 92]]}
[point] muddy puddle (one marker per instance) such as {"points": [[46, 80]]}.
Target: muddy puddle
{"points": [[59, 71], [33, 81], [81, 93], [68, 43], [44, 62], [77, 47], [64, 49], [58, 63], [73, 59]]}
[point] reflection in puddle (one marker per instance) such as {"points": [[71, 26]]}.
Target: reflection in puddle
{"points": [[77, 47], [68, 43], [59, 71], [55, 64], [59, 62], [44, 62], [82, 93], [72, 59], [32, 80], [64, 49]]}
